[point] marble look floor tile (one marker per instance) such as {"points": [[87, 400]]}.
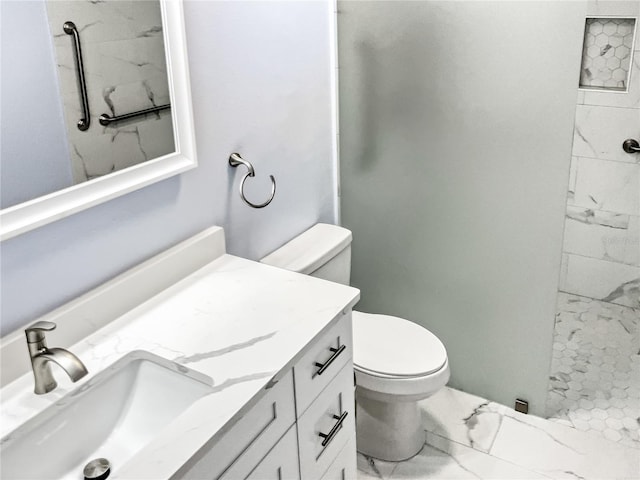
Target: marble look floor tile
{"points": [[558, 451], [372, 468], [521, 446], [460, 461], [462, 417], [443, 459]]}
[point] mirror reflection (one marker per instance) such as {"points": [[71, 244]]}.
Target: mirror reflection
{"points": [[116, 55]]}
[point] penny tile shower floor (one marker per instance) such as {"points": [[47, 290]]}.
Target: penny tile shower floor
{"points": [[595, 372]]}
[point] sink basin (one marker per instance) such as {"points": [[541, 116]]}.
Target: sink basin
{"points": [[113, 416]]}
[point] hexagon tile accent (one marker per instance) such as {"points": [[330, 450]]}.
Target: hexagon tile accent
{"points": [[606, 53], [595, 371]]}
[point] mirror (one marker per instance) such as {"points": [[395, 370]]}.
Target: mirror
{"points": [[134, 62]]}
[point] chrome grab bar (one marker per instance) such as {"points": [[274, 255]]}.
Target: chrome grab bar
{"points": [[70, 29], [234, 160], [106, 119]]}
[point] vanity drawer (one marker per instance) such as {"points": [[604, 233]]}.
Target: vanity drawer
{"points": [[322, 362], [327, 424], [344, 467], [281, 463], [239, 450]]}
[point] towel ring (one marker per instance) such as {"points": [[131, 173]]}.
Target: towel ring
{"points": [[234, 160]]}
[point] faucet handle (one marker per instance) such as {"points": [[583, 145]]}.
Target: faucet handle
{"points": [[35, 332]]}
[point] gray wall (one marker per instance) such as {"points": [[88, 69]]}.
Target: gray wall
{"points": [[261, 86], [34, 152], [455, 138]]}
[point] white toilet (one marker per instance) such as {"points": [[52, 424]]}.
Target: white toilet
{"points": [[396, 362]]}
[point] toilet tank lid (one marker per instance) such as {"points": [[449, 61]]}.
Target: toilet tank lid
{"points": [[310, 250]]}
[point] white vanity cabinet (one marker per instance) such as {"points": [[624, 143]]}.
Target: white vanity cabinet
{"points": [[303, 427], [281, 403]]}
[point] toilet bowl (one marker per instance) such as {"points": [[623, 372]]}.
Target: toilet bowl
{"points": [[397, 362]]}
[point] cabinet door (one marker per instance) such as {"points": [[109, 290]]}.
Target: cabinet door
{"points": [[344, 467], [327, 425], [238, 451], [281, 463], [321, 363]]}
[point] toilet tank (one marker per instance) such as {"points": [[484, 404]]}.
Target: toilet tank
{"points": [[323, 251]]}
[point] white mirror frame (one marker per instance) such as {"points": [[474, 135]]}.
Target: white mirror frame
{"points": [[40, 211]]}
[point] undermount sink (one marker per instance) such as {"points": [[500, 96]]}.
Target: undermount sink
{"points": [[113, 416]]}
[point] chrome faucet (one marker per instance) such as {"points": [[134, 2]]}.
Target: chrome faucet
{"points": [[41, 356]]}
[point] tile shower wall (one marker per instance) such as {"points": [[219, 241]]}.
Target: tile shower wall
{"points": [[601, 250], [595, 369], [125, 67], [606, 53]]}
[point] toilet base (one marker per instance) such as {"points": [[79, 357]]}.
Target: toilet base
{"points": [[389, 431]]}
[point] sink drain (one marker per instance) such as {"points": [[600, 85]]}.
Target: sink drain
{"points": [[97, 469]]}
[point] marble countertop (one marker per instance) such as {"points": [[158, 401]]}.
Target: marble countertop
{"points": [[237, 321]]}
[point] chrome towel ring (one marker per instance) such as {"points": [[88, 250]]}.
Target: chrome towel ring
{"points": [[234, 160]]}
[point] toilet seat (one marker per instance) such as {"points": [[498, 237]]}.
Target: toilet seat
{"points": [[393, 347], [394, 389], [417, 370]]}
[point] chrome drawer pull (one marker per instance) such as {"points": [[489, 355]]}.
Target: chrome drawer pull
{"points": [[336, 352], [332, 433]]}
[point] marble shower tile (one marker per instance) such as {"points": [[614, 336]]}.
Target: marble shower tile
{"points": [[98, 21], [126, 148], [90, 154], [158, 89], [68, 82], [595, 368], [126, 61], [629, 99], [607, 281], [154, 138], [632, 242], [564, 268], [600, 131], [573, 175], [127, 98], [103, 154], [612, 8], [603, 235], [607, 186], [125, 68], [559, 451], [606, 54]]}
